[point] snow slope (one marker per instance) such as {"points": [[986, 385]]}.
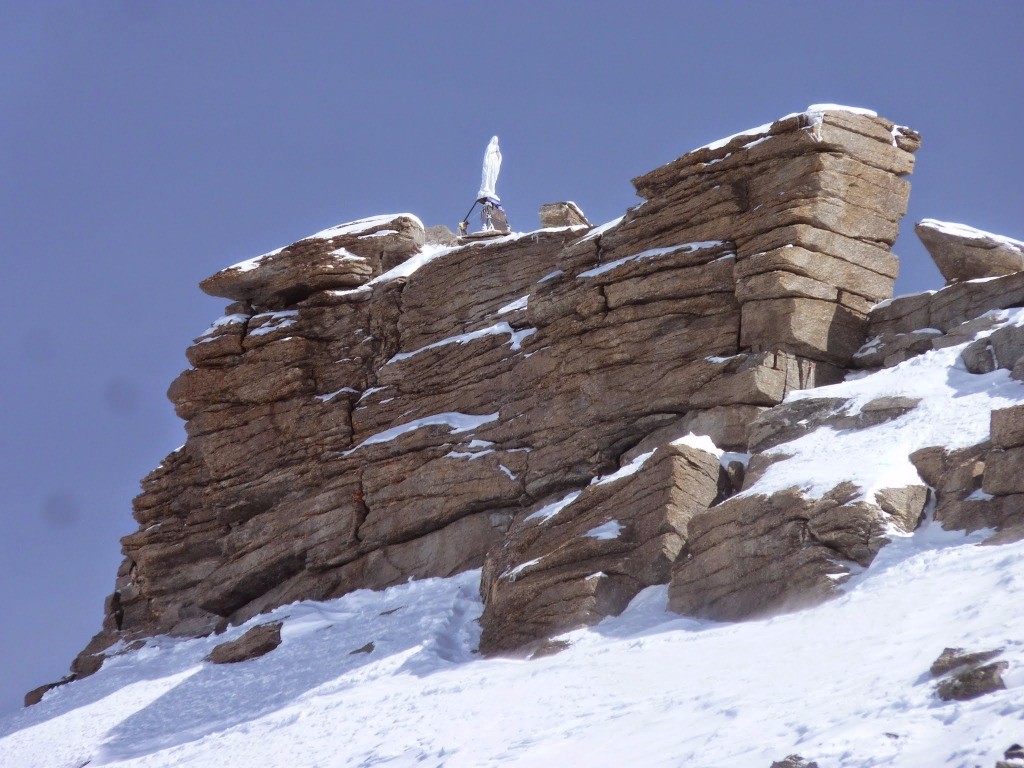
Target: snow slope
{"points": [[845, 683]]}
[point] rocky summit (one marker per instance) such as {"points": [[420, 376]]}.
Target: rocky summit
{"points": [[582, 412]]}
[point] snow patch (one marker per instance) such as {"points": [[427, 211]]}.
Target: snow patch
{"points": [[605, 531], [651, 254], [515, 340], [548, 511], [455, 421]]}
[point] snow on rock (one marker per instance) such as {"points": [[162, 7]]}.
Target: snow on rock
{"points": [[269, 322], [964, 253], [456, 422], [548, 511], [967, 232], [516, 338], [361, 226], [651, 253]]}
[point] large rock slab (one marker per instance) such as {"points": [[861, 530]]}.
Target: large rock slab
{"points": [[580, 558], [340, 257], [965, 253], [758, 554]]}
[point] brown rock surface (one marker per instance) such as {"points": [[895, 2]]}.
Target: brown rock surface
{"points": [[256, 642], [754, 554], [350, 426], [576, 560], [965, 253]]}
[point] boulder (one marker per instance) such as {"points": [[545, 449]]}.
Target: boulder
{"points": [[343, 256], [965, 253], [757, 554], [973, 682], [1013, 757], [564, 214], [256, 642]]}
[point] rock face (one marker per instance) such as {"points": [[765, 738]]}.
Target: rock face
{"points": [[378, 405], [965, 253]]}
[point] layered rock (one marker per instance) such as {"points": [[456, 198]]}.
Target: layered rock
{"points": [[965, 253], [579, 558], [377, 406], [765, 551]]}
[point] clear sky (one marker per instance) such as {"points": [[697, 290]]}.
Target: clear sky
{"points": [[144, 146]]}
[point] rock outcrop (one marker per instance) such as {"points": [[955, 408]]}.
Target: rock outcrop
{"points": [[378, 404], [965, 253]]}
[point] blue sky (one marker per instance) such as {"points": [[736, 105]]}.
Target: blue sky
{"points": [[144, 146]]}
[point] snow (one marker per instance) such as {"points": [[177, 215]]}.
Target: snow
{"points": [[962, 230], [550, 276], [701, 442], [455, 421], [844, 684], [221, 322], [343, 254], [605, 531], [629, 469], [651, 254], [273, 321], [332, 395], [514, 573], [598, 231], [515, 339], [360, 226], [520, 303], [953, 411], [471, 455], [250, 264]]}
